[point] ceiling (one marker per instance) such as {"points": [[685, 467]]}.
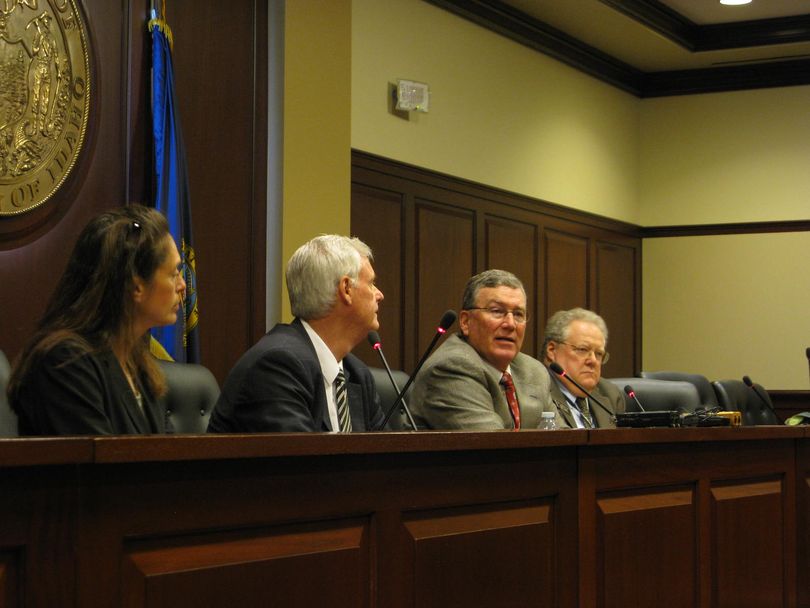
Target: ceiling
{"points": [[660, 47]]}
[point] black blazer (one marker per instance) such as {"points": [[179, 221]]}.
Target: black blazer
{"points": [[73, 392], [277, 386]]}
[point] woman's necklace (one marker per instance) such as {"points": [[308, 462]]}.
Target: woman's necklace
{"points": [[133, 387]]}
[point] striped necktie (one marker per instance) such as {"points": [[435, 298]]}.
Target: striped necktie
{"points": [[342, 403], [582, 404], [511, 398]]}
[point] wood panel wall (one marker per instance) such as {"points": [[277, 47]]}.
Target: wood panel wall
{"points": [[431, 232], [220, 64]]}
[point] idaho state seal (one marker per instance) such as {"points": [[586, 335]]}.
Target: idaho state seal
{"points": [[44, 99]]}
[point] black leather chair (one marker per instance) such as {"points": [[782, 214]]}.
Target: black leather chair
{"points": [[734, 395], [8, 419], [659, 395], [708, 398], [399, 419], [192, 393]]}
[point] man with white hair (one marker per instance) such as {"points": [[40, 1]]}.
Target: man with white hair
{"points": [[302, 376], [576, 340]]}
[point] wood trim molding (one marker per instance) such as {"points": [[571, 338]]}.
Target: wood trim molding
{"points": [[732, 228]]}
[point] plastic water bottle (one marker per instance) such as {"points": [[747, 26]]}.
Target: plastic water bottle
{"points": [[547, 421]]}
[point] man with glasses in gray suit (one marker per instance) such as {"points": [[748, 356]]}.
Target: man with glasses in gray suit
{"points": [[478, 379]]}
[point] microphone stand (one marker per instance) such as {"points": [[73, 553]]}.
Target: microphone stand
{"points": [[378, 347]]}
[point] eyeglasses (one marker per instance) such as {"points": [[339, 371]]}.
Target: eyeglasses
{"points": [[583, 352], [499, 314]]}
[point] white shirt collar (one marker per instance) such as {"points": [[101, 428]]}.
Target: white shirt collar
{"points": [[329, 365]]}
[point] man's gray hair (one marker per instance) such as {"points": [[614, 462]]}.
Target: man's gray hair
{"points": [[488, 278], [559, 323], [315, 269]]}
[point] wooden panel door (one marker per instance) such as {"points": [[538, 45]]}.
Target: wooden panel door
{"points": [[566, 271], [445, 246], [616, 272], [648, 554], [378, 214], [748, 558], [512, 245], [495, 555]]}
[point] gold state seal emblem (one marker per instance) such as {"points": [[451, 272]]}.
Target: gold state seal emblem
{"points": [[44, 99]]}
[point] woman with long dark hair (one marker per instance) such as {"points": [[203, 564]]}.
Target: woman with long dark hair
{"points": [[87, 369]]}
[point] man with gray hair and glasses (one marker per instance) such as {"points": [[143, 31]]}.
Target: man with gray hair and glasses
{"points": [[302, 376], [478, 378], [576, 339]]}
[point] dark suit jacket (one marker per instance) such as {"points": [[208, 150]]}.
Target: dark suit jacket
{"points": [[607, 393], [277, 386], [72, 392]]}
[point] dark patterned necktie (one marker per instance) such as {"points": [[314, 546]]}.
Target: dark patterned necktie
{"points": [[342, 403], [511, 398], [582, 404]]}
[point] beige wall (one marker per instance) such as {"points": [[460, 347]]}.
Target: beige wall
{"points": [[727, 306], [725, 157], [317, 134], [500, 113]]}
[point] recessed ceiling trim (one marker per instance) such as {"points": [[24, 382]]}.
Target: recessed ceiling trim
{"points": [[693, 37], [660, 18], [753, 33], [727, 78], [540, 36]]}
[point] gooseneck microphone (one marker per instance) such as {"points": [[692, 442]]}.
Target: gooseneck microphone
{"points": [[632, 394], [557, 369], [753, 387], [448, 318], [376, 344]]}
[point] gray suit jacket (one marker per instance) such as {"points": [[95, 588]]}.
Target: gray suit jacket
{"points": [[457, 389], [608, 393]]}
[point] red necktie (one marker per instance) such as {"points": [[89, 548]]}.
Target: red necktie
{"points": [[511, 398]]}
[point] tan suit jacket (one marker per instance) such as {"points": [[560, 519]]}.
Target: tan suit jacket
{"points": [[457, 389]]}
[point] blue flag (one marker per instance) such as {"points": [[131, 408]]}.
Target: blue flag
{"points": [[179, 342]]}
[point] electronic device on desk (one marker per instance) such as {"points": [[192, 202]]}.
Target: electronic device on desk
{"points": [[667, 418]]}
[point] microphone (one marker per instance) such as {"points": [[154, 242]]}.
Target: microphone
{"points": [[557, 369], [376, 344], [632, 394], [448, 318], [751, 385]]}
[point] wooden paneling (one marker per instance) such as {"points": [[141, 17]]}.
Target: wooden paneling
{"points": [[803, 519], [37, 526], [223, 115], [445, 259], [695, 526], [384, 210], [748, 549], [453, 229], [482, 556], [618, 302], [652, 533], [566, 276], [9, 579], [513, 245], [274, 568]]}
